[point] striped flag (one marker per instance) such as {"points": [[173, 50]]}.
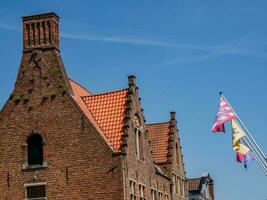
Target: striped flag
{"points": [[224, 114]]}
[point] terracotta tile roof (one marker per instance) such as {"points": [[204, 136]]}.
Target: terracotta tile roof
{"points": [[108, 110], [78, 89], [193, 184], [78, 92], [158, 135]]}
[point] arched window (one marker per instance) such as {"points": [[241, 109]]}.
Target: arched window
{"points": [[35, 150]]}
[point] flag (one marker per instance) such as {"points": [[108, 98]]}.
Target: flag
{"points": [[237, 134], [242, 151], [248, 158], [224, 114]]}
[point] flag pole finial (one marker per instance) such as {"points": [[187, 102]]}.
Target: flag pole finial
{"points": [[220, 93]]}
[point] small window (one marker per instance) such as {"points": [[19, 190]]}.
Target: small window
{"points": [[142, 192], [181, 187], [153, 194], [35, 150], [132, 190], [138, 143], [160, 196], [36, 192], [138, 138], [177, 155], [166, 196]]}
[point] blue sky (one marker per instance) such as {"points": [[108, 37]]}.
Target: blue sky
{"points": [[183, 53]]}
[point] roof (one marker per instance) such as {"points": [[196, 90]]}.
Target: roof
{"points": [[108, 110], [78, 89], [104, 110], [78, 92], [158, 135], [193, 184]]}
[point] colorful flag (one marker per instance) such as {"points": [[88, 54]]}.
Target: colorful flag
{"points": [[248, 159], [224, 114], [242, 151], [237, 133]]}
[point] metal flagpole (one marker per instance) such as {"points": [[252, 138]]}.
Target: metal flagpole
{"points": [[253, 143]]}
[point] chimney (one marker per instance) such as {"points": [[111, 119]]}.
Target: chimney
{"points": [[40, 31]]}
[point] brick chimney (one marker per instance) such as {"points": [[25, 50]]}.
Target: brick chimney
{"points": [[40, 31], [41, 63]]}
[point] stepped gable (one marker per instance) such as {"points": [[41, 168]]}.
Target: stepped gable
{"points": [[158, 135]]}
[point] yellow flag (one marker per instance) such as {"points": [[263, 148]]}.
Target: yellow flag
{"points": [[243, 149], [238, 133]]}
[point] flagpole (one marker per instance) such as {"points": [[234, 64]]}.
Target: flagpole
{"points": [[253, 143]]}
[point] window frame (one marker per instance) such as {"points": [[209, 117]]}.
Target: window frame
{"points": [[153, 194], [27, 185], [41, 148], [138, 142], [142, 192], [132, 189]]}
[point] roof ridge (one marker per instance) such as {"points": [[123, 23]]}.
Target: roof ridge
{"points": [[157, 123], [105, 93], [80, 85], [193, 178]]}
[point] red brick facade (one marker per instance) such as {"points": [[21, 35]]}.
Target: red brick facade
{"points": [[94, 146]]}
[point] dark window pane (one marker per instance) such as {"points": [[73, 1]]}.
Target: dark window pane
{"points": [[35, 150], [36, 191]]}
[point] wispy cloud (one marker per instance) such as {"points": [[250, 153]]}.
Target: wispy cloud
{"points": [[207, 51], [210, 52], [114, 39], [8, 27]]}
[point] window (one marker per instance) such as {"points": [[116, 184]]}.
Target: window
{"points": [[36, 192], [132, 190], [177, 155], [138, 143], [166, 196], [175, 185], [35, 150], [181, 187], [160, 196], [153, 194], [138, 138], [142, 192]]}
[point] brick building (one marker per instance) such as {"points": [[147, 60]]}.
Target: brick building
{"points": [[60, 141]]}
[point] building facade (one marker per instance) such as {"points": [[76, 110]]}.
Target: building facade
{"points": [[201, 188], [60, 141]]}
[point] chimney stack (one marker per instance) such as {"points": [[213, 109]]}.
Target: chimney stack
{"points": [[40, 31]]}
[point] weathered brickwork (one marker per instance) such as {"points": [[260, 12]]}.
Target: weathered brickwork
{"points": [[78, 161]]}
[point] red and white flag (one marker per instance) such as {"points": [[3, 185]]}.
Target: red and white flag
{"points": [[225, 113]]}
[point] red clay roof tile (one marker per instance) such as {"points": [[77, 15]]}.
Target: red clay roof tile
{"points": [[193, 184], [108, 111], [158, 135], [78, 92]]}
